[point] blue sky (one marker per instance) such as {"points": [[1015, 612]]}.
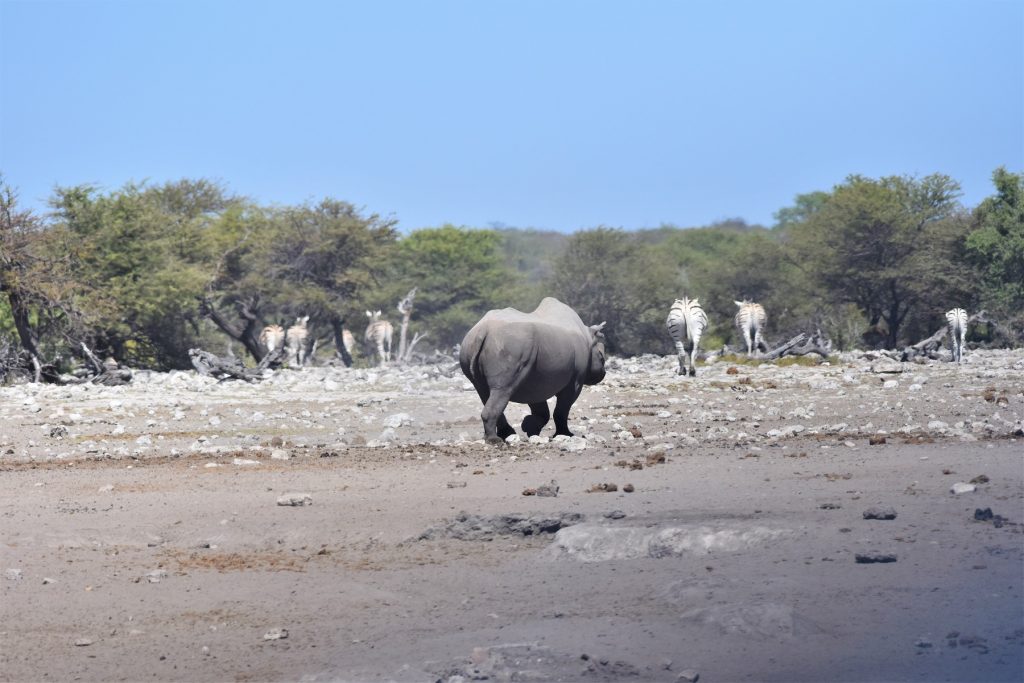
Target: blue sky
{"points": [[549, 114]]}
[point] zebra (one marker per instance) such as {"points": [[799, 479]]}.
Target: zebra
{"points": [[751, 318], [378, 334], [686, 320], [957, 320], [272, 337], [296, 341]]}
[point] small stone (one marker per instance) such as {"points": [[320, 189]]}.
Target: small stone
{"points": [[922, 643], [615, 514], [961, 487], [983, 515], [156, 575], [456, 484], [688, 676], [276, 634], [880, 513], [980, 479], [548, 490], [244, 462], [628, 488], [83, 642], [876, 440], [295, 499], [13, 575], [875, 558], [279, 454]]}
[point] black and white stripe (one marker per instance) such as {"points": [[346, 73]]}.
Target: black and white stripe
{"points": [[686, 323], [295, 341], [272, 337], [750, 320], [378, 335], [956, 318]]}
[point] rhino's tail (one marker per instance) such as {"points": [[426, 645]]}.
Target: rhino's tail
{"points": [[469, 357]]}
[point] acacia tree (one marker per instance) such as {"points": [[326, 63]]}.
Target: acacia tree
{"points": [[996, 245], [37, 290], [16, 267], [459, 274], [142, 251], [280, 264], [877, 244], [607, 276]]}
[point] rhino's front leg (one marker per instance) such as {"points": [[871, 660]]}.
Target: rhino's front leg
{"points": [[565, 398], [496, 427], [538, 417]]}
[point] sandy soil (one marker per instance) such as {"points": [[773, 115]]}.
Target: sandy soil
{"points": [[141, 535]]}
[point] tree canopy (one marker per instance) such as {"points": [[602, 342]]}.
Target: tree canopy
{"points": [[145, 272]]}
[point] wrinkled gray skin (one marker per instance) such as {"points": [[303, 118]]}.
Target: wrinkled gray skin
{"points": [[528, 358]]}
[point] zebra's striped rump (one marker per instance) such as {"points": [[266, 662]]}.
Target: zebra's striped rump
{"points": [[956, 319], [686, 322], [750, 320]]}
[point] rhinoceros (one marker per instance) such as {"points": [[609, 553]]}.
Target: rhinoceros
{"points": [[528, 358]]}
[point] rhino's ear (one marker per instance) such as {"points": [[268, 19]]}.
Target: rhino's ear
{"points": [[369, 315], [738, 303], [596, 329]]}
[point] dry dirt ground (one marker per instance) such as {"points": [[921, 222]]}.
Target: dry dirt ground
{"points": [[141, 535]]}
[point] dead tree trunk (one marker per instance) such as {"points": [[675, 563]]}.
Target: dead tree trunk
{"points": [[801, 345], [107, 373], [931, 347], [405, 308], [244, 331], [926, 347], [338, 327], [221, 368], [416, 338]]}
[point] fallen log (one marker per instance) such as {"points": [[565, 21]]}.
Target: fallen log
{"points": [[222, 368], [931, 347], [108, 372], [928, 348], [801, 345]]}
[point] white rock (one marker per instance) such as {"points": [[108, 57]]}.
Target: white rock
{"points": [[279, 454], [398, 420], [295, 499], [276, 634], [245, 462], [961, 487]]}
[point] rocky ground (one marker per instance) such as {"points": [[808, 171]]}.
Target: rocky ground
{"points": [[758, 523]]}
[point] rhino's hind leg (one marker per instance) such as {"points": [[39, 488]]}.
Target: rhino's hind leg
{"points": [[565, 398], [496, 427], [504, 428], [538, 417]]}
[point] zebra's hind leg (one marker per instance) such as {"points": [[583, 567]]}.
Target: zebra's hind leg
{"points": [[681, 354]]}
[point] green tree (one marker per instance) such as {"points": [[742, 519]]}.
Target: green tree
{"points": [[606, 275], [460, 273], [141, 251], [876, 244], [276, 265], [995, 247]]}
